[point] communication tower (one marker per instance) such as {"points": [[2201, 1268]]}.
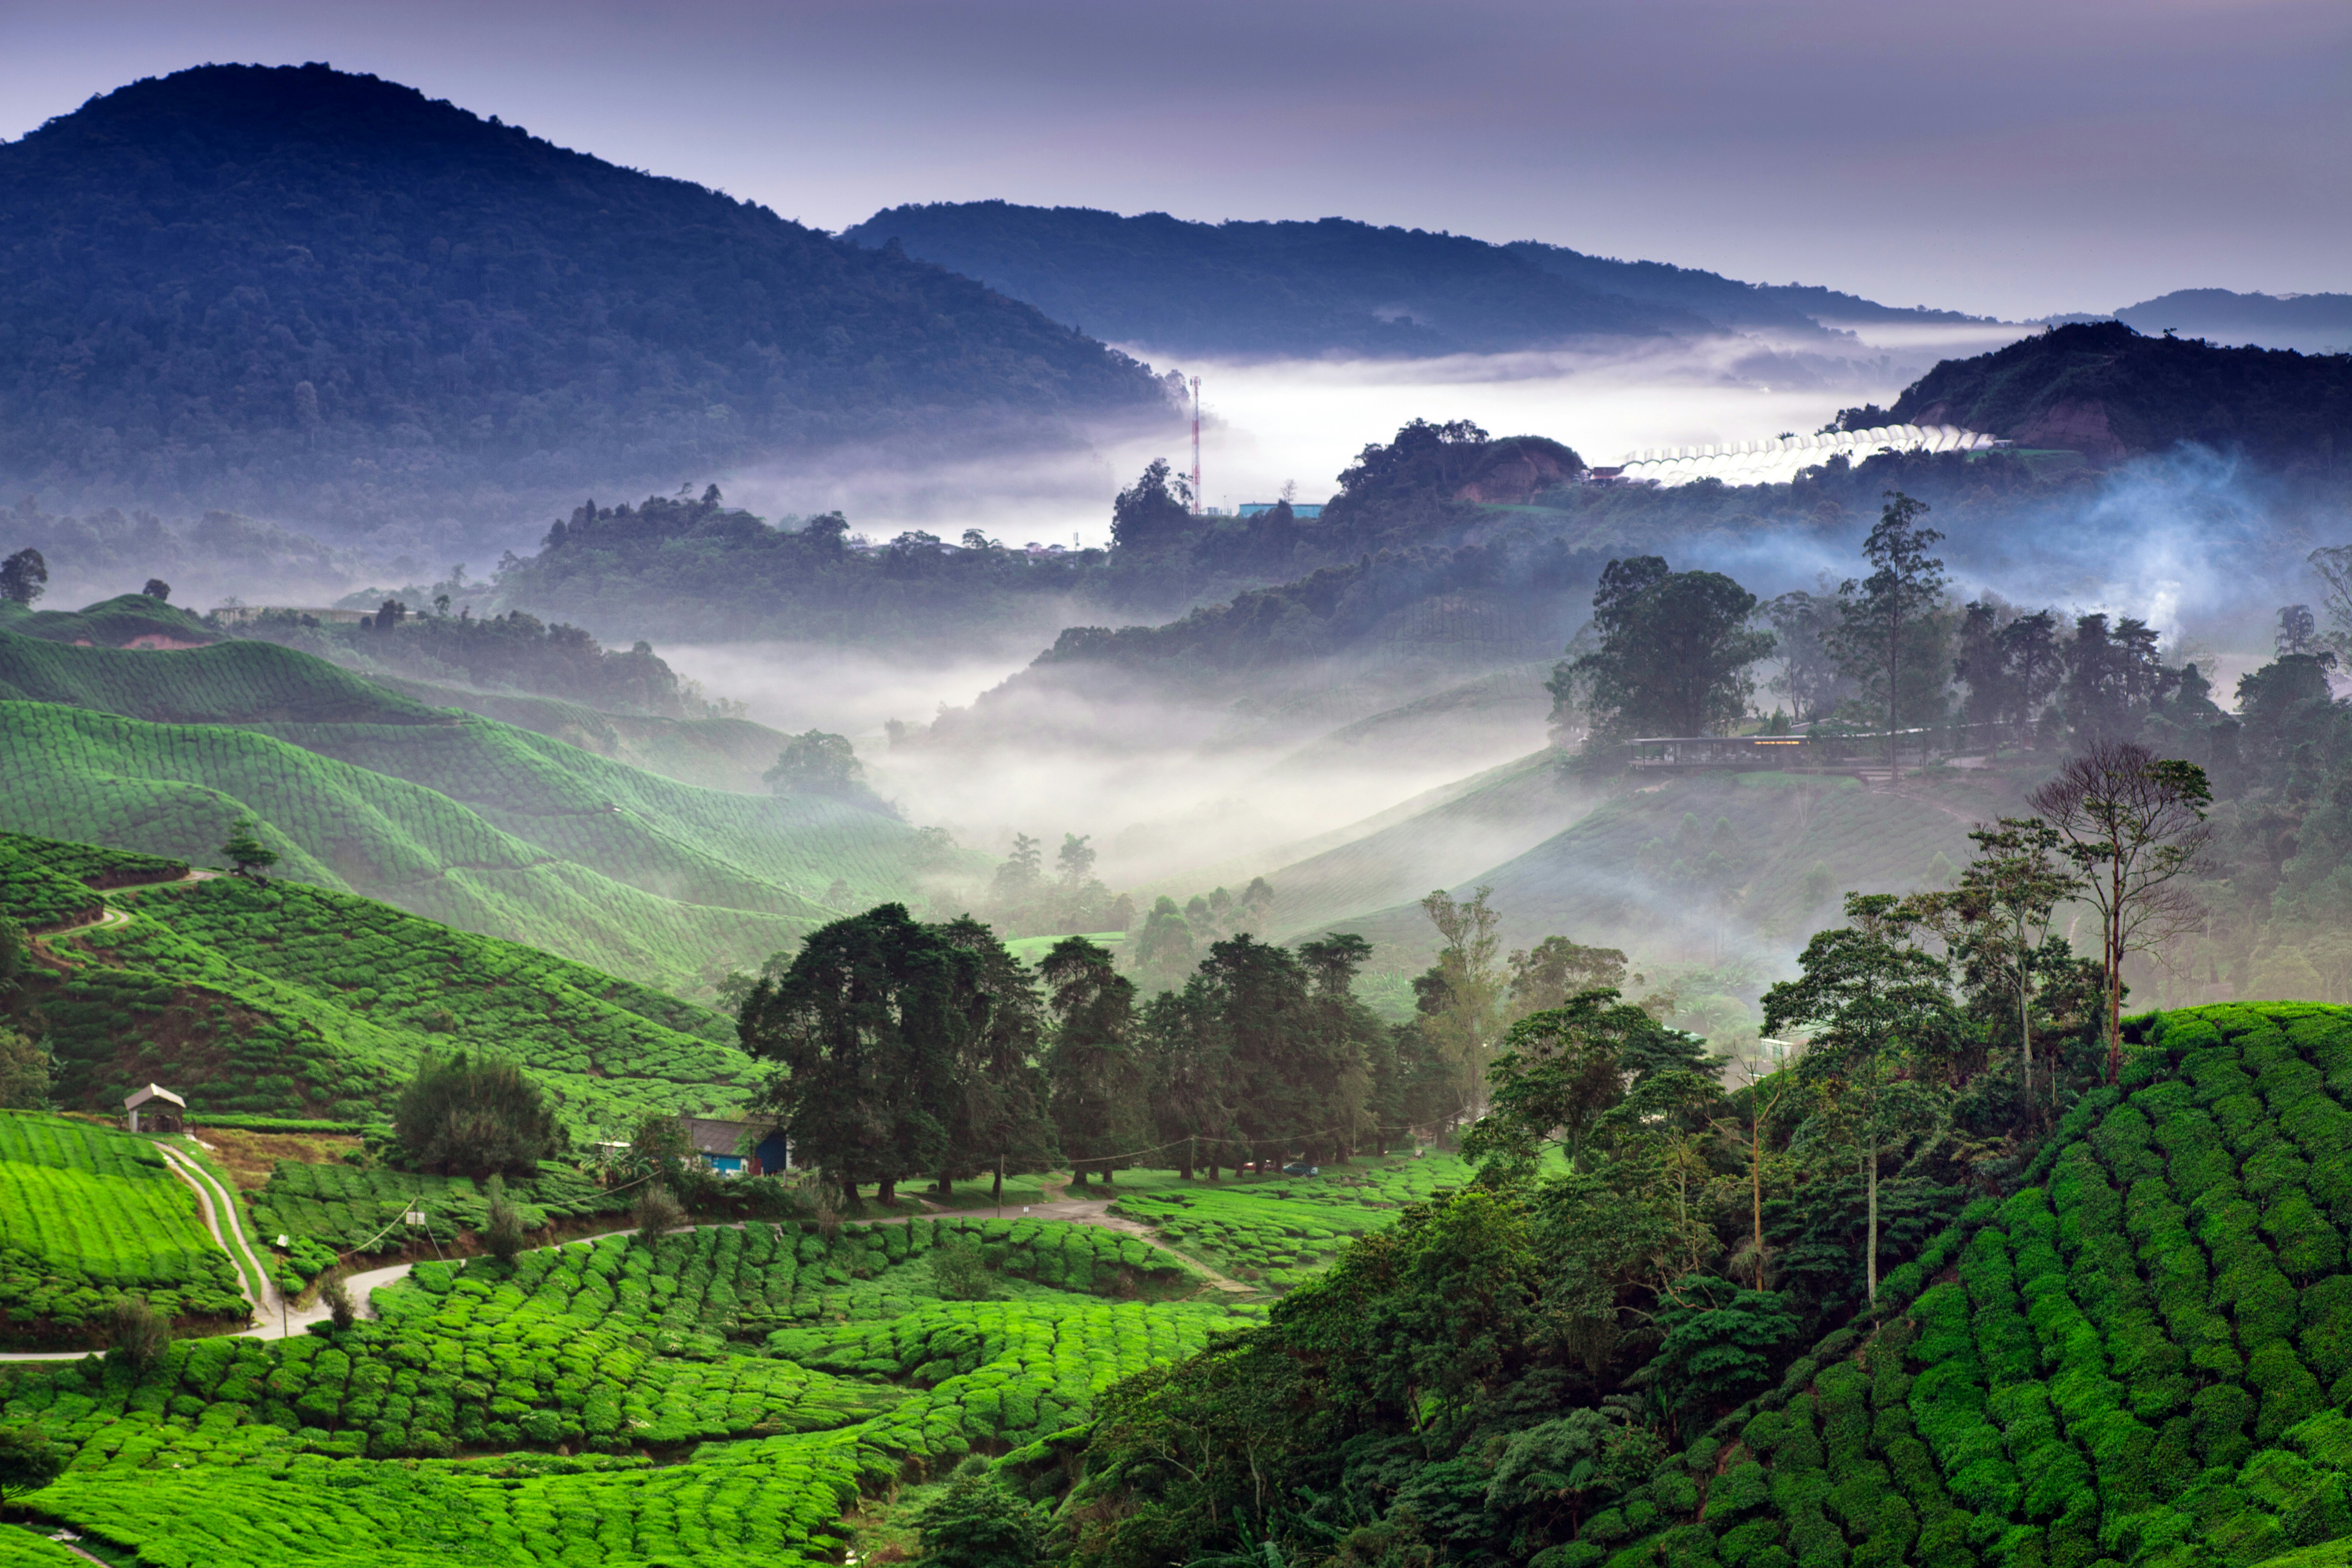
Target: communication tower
{"points": [[1196, 446]]}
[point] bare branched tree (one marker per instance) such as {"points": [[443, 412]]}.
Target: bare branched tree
{"points": [[2133, 824]]}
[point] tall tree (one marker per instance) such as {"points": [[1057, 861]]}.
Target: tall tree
{"points": [[1192, 1098], [1460, 995], [867, 1025], [2114, 678], [24, 576], [1870, 997], [1098, 1076], [816, 763], [2033, 664], [1555, 969], [1558, 1072], [996, 1098], [2134, 824], [1877, 612], [1674, 654], [1804, 628], [1153, 512], [1997, 922]]}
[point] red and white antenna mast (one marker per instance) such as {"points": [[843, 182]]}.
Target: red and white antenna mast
{"points": [[1196, 446]]}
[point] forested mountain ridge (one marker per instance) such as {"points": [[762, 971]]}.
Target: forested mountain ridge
{"points": [[1337, 286], [2102, 389], [1264, 288], [301, 287]]}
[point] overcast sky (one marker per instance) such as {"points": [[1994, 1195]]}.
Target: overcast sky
{"points": [[1996, 156]]}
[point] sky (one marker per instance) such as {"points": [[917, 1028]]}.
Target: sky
{"points": [[2005, 157]]}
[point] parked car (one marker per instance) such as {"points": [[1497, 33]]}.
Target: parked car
{"points": [[1301, 1168]]}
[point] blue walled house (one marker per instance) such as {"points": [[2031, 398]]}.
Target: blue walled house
{"points": [[738, 1148]]}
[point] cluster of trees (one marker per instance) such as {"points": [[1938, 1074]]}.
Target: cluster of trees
{"points": [[1024, 897], [1650, 1240], [1172, 936], [1674, 653], [513, 651]]}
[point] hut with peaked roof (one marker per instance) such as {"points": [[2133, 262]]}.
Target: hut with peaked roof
{"points": [[154, 1109], [736, 1147]]}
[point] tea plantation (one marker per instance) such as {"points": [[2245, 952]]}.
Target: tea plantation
{"points": [[604, 1402], [1279, 1233], [294, 1000], [463, 818], [86, 1213], [2143, 1355]]}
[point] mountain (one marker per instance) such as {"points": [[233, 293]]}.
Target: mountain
{"points": [[2312, 323], [450, 815], [2105, 391], [303, 288], [1334, 286], [1264, 290], [296, 1000]]}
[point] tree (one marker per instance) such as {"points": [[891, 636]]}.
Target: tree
{"points": [[1461, 993], [2298, 630], [1076, 861], [29, 1460], [978, 1523], [995, 1095], [1811, 678], [1869, 996], [816, 763], [2032, 664], [472, 1117], [1877, 611], [27, 1072], [655, 1213], [1555, 969], [157, 590], [868, 1026], [1558, 1072], [2133, 823], [1998, 919], [1719, 1344], [2114, 678], [1097, 1070], [1673, 652], [248, 856], [1163, 948], [24, 576], [1154, 511]]}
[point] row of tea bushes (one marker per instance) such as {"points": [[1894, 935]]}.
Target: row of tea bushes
{"points": [[1263, 1234], [1004, 1372], [87, 1213], [2141, 1358], [772, 1503], [347, 1206], [593, 1347]]}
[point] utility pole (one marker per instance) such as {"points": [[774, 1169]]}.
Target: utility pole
{"points": [[1196, 446]]}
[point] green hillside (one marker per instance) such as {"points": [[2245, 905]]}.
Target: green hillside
{"points": [[463, 818], [2142, 1355], [297, 1000], [112, 622], [1731, 856]]}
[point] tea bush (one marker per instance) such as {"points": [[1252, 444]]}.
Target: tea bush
{"points": [[1280, 1233]]}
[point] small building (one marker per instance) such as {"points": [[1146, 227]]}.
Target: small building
{"points": [[154, 1109], [1304, 510], [738, 1148]]}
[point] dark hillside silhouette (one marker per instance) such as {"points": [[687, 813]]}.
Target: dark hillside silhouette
{"points": [[296, 285]]}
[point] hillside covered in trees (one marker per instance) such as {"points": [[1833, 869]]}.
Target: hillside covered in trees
{"points": [[312, 290], [1334, 286]]}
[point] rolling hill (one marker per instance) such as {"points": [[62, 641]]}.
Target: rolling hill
{"points": [[1334, 286], [301, 287], [291, 999], [453, 815]]}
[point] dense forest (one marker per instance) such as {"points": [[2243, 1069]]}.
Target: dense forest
{"points": [[321, 292]]}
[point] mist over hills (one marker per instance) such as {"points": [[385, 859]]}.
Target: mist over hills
{"points": [[313, 292], [1334, 286]]}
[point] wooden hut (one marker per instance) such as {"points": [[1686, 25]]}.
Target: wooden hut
{"points": [[154, 1109]]}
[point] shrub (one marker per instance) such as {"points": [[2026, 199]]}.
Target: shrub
{"points": [[473, 1117], [979, 1524], [656, 1214], [337, 1297], [503, 1234], [135, 1332], [961, 1273], [29, 1461]]}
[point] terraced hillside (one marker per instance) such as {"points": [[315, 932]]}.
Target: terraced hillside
{"points": [[297, 1000], [456, 817], [2142, 1355]]}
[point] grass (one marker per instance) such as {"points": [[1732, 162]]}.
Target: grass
{"points": [[88, 1214]]}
